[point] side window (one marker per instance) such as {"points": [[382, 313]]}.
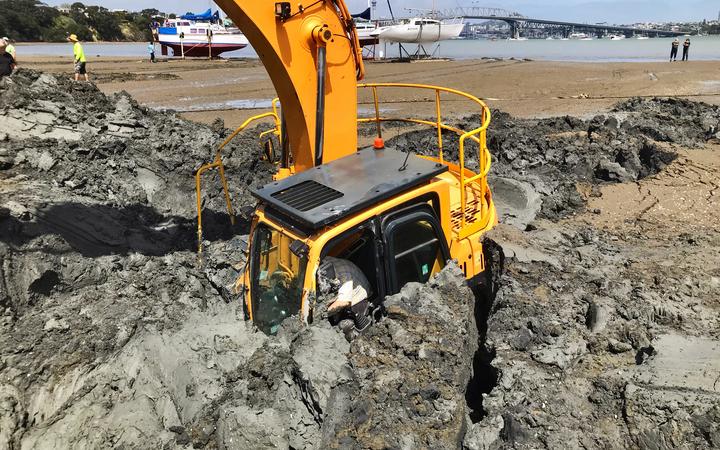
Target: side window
{"points": [[416, 252]]}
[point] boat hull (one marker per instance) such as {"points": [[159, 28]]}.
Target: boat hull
{"points": [[199, 45], [368, 40], [425, 34], [199, 50]]}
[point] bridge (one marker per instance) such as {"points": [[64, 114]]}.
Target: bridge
{"points": [[517, 22]]}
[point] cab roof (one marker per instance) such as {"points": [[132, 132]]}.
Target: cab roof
{"points": [[331, 192]]}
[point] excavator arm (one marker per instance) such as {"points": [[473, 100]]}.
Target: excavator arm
{"points": [[314, 59]]}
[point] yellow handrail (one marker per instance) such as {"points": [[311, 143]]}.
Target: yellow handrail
{"points": [[218, 163], [466, 176], [478, 135]]}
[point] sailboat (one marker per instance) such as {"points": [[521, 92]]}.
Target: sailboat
{"points": [[202, 35], [423, 30], [417, 30], [420, 30]]}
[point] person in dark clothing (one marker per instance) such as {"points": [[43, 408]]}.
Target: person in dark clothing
{"points": [[674, 50], [7, 62], [686, 49]]}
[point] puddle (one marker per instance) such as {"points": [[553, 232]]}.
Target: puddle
{"points": [[243, 104], [216, 106], [710, 86], [364, 112], [227, 81]]}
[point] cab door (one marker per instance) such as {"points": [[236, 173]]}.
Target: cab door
{"points": [[415, 247]]}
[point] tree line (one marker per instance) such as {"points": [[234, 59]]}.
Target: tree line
{"points": [[33, 20]]}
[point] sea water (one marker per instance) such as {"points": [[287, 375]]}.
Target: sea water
{"points": [[596, 50]]}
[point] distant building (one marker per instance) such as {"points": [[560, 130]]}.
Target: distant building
{"points": [[63, 8], [718, 16]]}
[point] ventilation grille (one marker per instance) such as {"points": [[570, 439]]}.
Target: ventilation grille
{"points": [[307, 195]]}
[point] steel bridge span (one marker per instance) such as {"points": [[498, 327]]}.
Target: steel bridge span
{"points": [[518, 22]]}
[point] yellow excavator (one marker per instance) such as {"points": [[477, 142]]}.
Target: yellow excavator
{"points": [[397, 217]]}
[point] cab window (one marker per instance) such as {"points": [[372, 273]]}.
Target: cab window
{"points": [[277, 276], [416, 249]]}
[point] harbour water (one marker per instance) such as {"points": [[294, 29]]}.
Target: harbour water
{"points": [[597, 50]]}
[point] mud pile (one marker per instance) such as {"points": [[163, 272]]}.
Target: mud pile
{"points": [[312, 389], [411, 372], [546, 167], [107, 317], [599, 343], [113, 335], [601, 337], [605, 336]]}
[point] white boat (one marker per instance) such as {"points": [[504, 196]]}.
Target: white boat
{"points": [[617, 37], [421, 31], [579, 36], [642, 38], [518, 39], [199, 35]]}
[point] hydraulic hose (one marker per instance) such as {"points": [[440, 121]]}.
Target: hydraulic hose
{"points": [[285, 144], [320, 113]]}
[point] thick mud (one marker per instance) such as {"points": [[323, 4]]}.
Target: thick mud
{"points": [[601, 331]]}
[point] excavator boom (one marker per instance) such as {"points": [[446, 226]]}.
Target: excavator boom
{"points": [[383, 217], [307, 47]]}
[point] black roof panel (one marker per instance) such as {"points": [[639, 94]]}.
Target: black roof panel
{"points": [[323, 195]]}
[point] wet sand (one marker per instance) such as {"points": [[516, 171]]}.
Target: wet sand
{"points": [[205, 90]]}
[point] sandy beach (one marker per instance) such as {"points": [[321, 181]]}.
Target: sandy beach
{"points": [[206, 90]]}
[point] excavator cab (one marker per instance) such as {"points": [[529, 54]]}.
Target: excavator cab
{"points": [[380, 209], [392, 248], [393, 216]]}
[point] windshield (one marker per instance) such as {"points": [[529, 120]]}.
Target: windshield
{"points": [[277, 277]]}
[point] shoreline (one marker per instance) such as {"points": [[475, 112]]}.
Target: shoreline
{"points": [[599, 51], [39, 58], [30, 44]]}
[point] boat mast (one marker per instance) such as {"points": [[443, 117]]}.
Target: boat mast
{"points": [[392, 16]]}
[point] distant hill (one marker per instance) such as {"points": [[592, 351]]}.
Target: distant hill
{"points": [[32, 20]]}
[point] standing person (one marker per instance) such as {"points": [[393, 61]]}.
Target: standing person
{"points": [[80, 60], [151, 50], [10, 48], [686, 49], [674, 50], [7, 62]]}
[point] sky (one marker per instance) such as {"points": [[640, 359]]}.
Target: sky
{"points": [[613, 11]]}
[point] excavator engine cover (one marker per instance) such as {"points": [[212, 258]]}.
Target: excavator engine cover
{"points": [[333, 191]]}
